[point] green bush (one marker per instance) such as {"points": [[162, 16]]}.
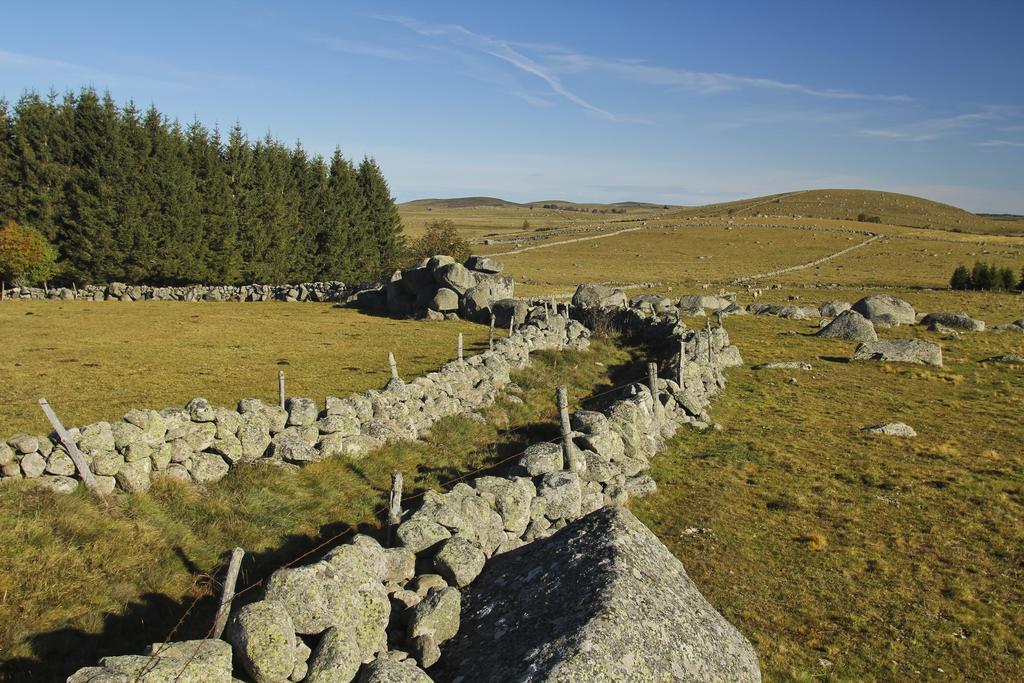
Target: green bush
{"points": [[441, 237], [26, 258]]}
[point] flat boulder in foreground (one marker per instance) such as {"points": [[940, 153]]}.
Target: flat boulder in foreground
{"points": [[601, 600], [900, 351]]}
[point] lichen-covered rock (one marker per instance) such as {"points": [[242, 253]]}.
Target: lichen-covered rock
{"points": [[301, 412], [264, 639], [96, 437], [459, 561], [200, 410], [542, 458], [601, 600], [437, 615], [291, 447], [23, 443], [189, 661], [336, 659], [133, 477], [892, 429], [33, 465], [512, 498], [419, 534], [562, 495], [208, 468], [386, 670]]}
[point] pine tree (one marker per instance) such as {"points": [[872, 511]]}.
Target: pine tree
{"points": [[382, 217], [133, 194], [42, 142], [345, 248], [1007, 280], [218, 212], [8, 163], [961, 278], [87, 244]]}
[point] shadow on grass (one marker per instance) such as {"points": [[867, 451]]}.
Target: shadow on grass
{"points": [[150, 617], [834, 359]]}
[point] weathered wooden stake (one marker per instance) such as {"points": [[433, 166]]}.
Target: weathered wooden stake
{"points": [[568, 448], [682, 365], [490, 334], [511, 325], [74, 288], [228, 594], [69, 445], [394, 505], [393, 364], [711, 361], [280, 387], [460, 347], [3, 290], [652, 384]]}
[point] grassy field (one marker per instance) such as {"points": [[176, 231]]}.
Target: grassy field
{"points": [[851, 557], [94, 361], [71, 591]]}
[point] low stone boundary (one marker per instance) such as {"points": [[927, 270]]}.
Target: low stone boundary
{"points": [[201, 443], [118, 291], [385, 613]]}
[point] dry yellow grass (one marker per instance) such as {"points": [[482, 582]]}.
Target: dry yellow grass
{"points": [[95, 361]]}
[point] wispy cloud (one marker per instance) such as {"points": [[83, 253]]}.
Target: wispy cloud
{"points": [[85, 73], [503, 50], [552, 64], [932, 129], [364, 49], [1000, 143], [706, 82]]}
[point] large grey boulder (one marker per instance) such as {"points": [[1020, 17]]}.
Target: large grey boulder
{"points": [[891, 429], [386, 670], [830, 309], [601, 600], [456, 277], [264, 639], [849, 325], [336, 658], [958, 321], [188, 661], [694, 301], [900, 351], [887, 308], [483, 264], [598, 296], [445, 300], [542, 458], [459, 561], [506, 310]]}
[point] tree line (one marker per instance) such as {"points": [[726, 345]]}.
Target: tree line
{"points": [[129, 195], [986, 277]]}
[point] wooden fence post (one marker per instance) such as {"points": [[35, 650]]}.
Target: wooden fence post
{"points": [[511, 324], [3, 290], [280, 387], [568, 448], [490, 334], [682, 364], [460, 347], [711, 361], [69, 445], [74, 288], [228, 594], [652, 384], [394, 506], [393, 364]]}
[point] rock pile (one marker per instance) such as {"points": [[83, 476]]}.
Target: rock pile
{"points": [[441, 289], [201, 442], [118, 291], [389, 614]]}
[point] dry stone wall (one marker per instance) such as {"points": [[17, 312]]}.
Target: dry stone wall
{"points": [[201, 442], [387, 614], [119, 291]]}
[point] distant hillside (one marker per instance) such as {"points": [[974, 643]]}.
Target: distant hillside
{"points": [[459, 203], [876, 206]]}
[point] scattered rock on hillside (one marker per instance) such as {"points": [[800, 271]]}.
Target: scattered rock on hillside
{"points": [[1008, 358], [900, 351], [958, 320], [886, 309], [831, 309], [891, 429], [602, 599], [598, 296], [783, 365], [1015, 326], [849, 325], [692, 301]]}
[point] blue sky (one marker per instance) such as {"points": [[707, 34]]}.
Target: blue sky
{"points": [[676, 102]]}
